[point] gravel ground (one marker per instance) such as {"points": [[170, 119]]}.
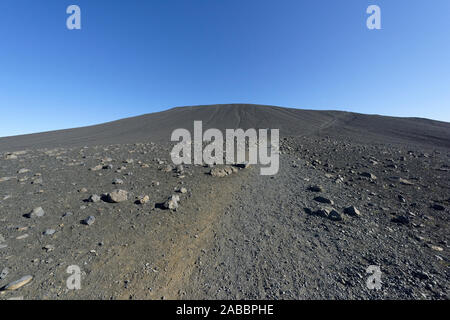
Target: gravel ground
{"points": [[271, 245], [341, 202]]}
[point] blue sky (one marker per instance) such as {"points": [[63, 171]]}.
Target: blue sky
{"points": [[136, 57]]}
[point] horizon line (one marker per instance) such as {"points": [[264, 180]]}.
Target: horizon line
{"points": [[221, 104]]}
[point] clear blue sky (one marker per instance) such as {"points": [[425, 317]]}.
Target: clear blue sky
{"points": [[135, 57]]}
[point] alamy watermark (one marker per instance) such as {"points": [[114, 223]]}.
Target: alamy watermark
{"points": [[373, 22], [374, 280], [73, 282], [74, 20], [251, 146]]}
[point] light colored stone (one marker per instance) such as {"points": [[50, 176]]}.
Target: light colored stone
{"points": [[89, 220], [117, 196], [143, 199], [3, 179], [36, 212], [4, 273], [172, 202], [18, 283], [118, 181], [218, 172], [10, 157], [49, 247], [183, 190], [401, 181], [94, 198], [49, 232], [436, 248]]}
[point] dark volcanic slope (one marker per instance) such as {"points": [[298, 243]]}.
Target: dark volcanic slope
{"points": [[291, 122], [353, 191]]}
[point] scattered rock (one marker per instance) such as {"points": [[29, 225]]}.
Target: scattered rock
{"points": [[36, 212], [49, 232], [94, 198], [96, 168], [23, 236], [352, 211], [315, 188], [67, 214], [323, 200], [18, 283], [172, 202], [420, 275], [369, 175], [328, 213], [117, 196], [438, 207], [4, 273], [3, 179], [37, 181], [436, 248], [49, 247], [401, 181], [221, 172], [217, 172], [334, 215], [10, 156], [182, 190], [228, 170], [118, 181], [179, 169], [89, 220], [143, 199], [401, 220], [244, 165]]}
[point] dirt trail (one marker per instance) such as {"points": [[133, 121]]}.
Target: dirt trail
{"points": [[158, 264], [256, 253]]}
